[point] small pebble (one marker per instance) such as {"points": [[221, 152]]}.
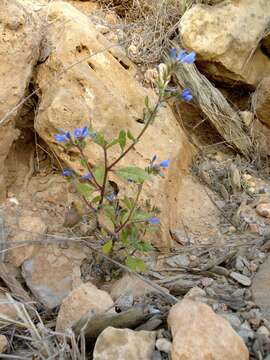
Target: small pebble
{"points": [[164, 345], [263, 331], [241, 279], [263, 210]]}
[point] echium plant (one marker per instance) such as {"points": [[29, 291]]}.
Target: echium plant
{"points": [[124, 222]]}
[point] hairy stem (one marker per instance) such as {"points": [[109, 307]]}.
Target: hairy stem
{"points": [[148, 122], [94, 182], [131, 210], [103, 188]]}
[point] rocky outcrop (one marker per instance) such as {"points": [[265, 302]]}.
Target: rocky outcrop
{"points": [[124, 344], [226, 39], [261, 101], [101, 88], [19, 50], [84, 299], [200, 334], [52, 273]]}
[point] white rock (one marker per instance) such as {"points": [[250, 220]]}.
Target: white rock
{"points": [[85, 298], [124, 344], [263, 210], [3, 343], [164, 345], [226, 37]]}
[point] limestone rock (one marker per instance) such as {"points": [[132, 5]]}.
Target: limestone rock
{"points": [[6, 309], [225, 37], [30, 227], [124, 344], [263, 210], [261, 135], [19, 49], [102, 89], [261, 101], [52, 273], [200, 334], [79, 302], [261, 288], [3, 343]]}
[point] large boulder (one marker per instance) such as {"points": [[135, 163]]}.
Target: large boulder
{"points": [[88, 81], [124, 344], [20, 38], [82, 300], [200, 334], [226, 39]]}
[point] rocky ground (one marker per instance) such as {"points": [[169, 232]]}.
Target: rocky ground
{"points": [[206, 294]]}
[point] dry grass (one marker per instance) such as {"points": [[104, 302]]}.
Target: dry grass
{"points": [[31, 339], [217, 109]]}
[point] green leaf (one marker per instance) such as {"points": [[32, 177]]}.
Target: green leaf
{"points": [[107, 247], [99, 174], [96, 199], [122, 139], [100, 140], [130, 136], [128, 202], [146, 101], [84, 189], [135, 264], [114, 142], [133, 173]]}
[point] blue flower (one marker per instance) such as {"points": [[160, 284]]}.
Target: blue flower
{"points": [[154, 220], [186, 95], [154, 158], [60, 138], [68, 135], [87, 176], [85, 132], [187, 58], [67, 172], [164, 164], [77, 133]]}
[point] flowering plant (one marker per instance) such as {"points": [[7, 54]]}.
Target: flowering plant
{"points": [[124, 222]]}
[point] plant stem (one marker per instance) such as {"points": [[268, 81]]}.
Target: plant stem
{"points": [[132, 210], [103, 188], [151, 117], [88, 167]]}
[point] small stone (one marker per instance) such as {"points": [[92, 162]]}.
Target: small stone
{"points": [[263, 210], [196, 294], [156, 355], [253, 267], [241, 279], [263, 331], [3, 343], [124, 344], [164, 345], [178, 260], [253, 228], [247, 176], [246, 335], [233, 319], [206, 281], [240, 263]]}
